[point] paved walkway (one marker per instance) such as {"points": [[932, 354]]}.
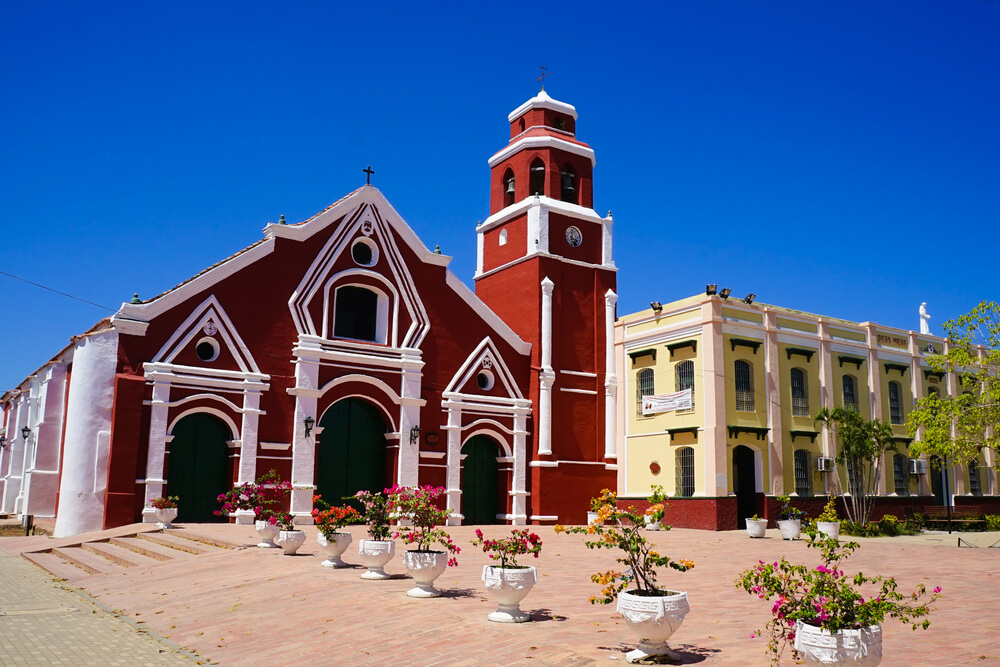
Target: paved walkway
{"points": [[253, 606]]}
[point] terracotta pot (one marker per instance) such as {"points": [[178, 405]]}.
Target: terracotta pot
{"points": [[654, 618]]}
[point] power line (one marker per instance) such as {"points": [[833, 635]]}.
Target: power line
{"points": [[69, 296]]}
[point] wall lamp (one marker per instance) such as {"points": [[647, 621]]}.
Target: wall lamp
{"points": [[656, 305], [725, 292], [711, 289], [3, 441], [308, 422], [414, 435], [25, 432], [748, 299]]}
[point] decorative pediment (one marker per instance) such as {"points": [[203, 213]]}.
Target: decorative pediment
{"points": [[207, 338], [486, 363]]}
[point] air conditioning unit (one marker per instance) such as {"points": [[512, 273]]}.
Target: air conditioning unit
{"points": [[918, 466], [824, 464]]}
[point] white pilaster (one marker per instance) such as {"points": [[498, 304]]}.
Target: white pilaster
{"points": [[772, 387], [454, 463], [409, 416], [519, 475], [607, 258], [156, 450], [304, 447], [546, 376], [714, 449], [610, 379]]}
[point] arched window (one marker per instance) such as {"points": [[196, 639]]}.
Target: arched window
{"points": [[356, 313], [932, 391], [520, 125], [684, 372], [744, 386], [895, 403], [568, 180], [536, 180], [974, 487], [508, 188], [503, 237], [643, 388], [685, 472], [899, 475], [800, 394], [803, 480], [850, 393]]}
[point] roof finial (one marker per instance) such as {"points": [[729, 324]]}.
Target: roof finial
{"points": [[281, 220], [545, 73], [369, 171], [135, 298], [437, 250]]}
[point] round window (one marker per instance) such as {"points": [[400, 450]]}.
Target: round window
{"points": [[207, 349], [485, 380], [363, 252]]}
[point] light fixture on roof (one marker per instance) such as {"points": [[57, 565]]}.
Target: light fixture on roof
{"points": [[725, 292], [656, 306], [711, 289], [748, 299]]}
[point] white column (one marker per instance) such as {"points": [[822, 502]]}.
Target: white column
{"points": [[16, 448], [248, 446], [454, 463], [606, 242], [30, 445], [409, 416], [519, 474], [610, 379], [156, 448], [88, 435], [306, 392], [546, 376]]}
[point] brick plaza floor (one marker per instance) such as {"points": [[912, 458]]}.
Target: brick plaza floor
{"points": [[254, 606]]}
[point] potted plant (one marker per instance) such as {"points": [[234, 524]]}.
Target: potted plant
{"points": [[789, 518], [166, 510], [289, 537], [329, 520], [830, 618], [375, 552], [509, 582], [828, 522], [417, 504], [657, 508], [756, 526], [258, 498], [595, 506], [652, 612]]}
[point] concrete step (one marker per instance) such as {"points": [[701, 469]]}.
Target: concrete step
{"points": [[179, 543], [150, 550], [55, 565], [87, 561], [205, 539], [118, 553]]}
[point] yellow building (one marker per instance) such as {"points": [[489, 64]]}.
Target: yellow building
{"points": [[758, 374]]}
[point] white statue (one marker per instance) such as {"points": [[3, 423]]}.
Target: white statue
{"points": [[924, 327]]}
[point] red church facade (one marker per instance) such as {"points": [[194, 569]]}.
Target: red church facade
{"points": [[343, 353]]}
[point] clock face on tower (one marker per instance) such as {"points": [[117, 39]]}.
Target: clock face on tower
{"points": [[574, 237]]}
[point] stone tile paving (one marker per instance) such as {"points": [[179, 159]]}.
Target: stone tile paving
{"points": [[258, 607], [43, 623]]}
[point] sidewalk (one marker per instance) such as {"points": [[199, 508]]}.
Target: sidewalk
{"points": [[251, 606]]}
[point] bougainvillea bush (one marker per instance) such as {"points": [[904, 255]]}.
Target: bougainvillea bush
{"points": [[375, 513], [330, 519], [507, 549], [260, 496], [416, 506]]}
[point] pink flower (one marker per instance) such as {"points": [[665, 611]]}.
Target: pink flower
{"points": [[937, 589]]}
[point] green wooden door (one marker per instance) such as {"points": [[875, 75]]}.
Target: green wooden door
{"points": [[350, 455], [744, 483], [479, 481], [197, 470]]}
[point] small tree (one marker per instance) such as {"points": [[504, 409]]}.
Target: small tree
{"points": [[973, 353], [863, 444]]}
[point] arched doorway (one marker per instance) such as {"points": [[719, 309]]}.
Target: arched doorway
{"points": [[744, 483], [197, 470], [939, 482], [350, 455], [479, 481]]}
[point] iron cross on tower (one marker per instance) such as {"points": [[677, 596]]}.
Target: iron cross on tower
{"points": [[368, 171], [545, 73]]}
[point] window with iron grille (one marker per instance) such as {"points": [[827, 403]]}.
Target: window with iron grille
{"points": [[895, 404], [684, 372], [800, 395], [803, 480], [850, 393], [643, 388], [685, 472], [744, 386], [974, 487], [899, 475]]}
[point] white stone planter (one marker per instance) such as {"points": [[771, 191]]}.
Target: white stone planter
{"points": [[266, 531], [650, 524], [591, 517], [790, 528], [425, 567], [165, 516], [858, 648], [756, 527], [508, 586], [654, 618], [290, 540], [374, 554], [829, 528], [334, 547]]}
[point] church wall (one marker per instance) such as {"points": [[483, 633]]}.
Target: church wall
{"points": [[124, 500]]}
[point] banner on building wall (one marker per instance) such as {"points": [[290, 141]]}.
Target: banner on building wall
{"points": [[655, 404]]}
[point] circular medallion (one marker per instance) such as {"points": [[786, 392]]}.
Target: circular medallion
{"points": [[574, 237]]}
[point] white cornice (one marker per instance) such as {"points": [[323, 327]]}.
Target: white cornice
{"points": [[560, 258], [542, 101], [543, 142], [574, 211]]}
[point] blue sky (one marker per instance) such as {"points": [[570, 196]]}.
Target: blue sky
{"points": [[838, 158]]}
